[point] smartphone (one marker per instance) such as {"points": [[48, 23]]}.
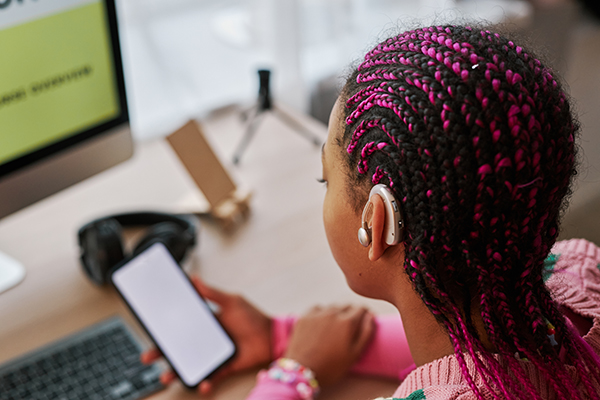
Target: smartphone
{"points": [[173, 313]]}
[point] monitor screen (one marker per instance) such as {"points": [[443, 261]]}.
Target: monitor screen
{"points": [[63, 109], [59, 83]]}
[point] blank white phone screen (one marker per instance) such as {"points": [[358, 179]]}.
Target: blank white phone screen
{"points": [[178, 320]]}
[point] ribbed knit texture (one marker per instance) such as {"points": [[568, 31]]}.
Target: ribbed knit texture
{"points": [[575, 283]]}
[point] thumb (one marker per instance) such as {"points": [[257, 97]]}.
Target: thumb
{"points": [[210, 292]]}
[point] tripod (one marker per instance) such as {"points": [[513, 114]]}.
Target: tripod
{"points": [[263, 105]]}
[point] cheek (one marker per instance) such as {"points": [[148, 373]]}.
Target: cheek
{"points": [[342, 234], [329, 221], [341, 227], [335, 228]]}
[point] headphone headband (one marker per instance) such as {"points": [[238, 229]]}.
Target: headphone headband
{"points": [[185, 221], [102, 246]]}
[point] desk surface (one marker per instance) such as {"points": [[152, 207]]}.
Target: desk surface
{"points": [[278, 258]]}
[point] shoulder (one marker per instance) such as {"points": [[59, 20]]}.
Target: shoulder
{"points": [[441, 379], [577, 249], [441, 392], [418, 395], [579, 257], [572, 272]]}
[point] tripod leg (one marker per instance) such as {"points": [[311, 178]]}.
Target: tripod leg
{"points": [[249, 113], [294, 124], [250, 131]]}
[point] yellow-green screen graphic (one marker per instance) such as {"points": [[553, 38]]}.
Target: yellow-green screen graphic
{"points": [[56, 79]]}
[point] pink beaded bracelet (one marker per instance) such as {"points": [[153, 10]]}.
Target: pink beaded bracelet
{"points": [[294, 374]]}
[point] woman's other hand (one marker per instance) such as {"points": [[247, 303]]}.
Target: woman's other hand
{"points": [[329, 340], [249, 328]]}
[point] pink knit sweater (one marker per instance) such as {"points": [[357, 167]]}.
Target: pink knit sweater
{"points": [[575, 282]]}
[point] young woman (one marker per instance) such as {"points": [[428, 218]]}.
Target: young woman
{"points": [[451, 149]]}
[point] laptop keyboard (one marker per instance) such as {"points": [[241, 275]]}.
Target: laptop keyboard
{"points": [[101, 362]]}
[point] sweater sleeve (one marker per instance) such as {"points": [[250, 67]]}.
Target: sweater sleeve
{"points": [[387, 355]]}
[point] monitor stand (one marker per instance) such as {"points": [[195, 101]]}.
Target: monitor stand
{"points": [[11, 272]]}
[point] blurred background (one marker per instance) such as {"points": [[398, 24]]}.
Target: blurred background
{"points": [[187, 58]]}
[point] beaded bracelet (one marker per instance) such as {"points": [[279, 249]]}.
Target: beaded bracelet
{"points": [[293, 374]]}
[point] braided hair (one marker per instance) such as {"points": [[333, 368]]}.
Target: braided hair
{"points": [[476, 138]]}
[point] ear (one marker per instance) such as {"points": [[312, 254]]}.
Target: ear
{"points": [[378, 244]]}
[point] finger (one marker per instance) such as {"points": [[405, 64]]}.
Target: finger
{"points": [[149, 356], [354, 314], [210, 292], [167, 377], [332, 310], [314, 309], [366, 330], [205, 387], [347, 308], [354, 319]]}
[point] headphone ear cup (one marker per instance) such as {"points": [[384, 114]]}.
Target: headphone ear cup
{"points": [[170, 234], [101, 249]]}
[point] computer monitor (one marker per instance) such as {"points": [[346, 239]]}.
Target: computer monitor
{"points": [[63, 110]]}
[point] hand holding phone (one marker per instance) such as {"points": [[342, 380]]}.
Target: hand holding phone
{"points": [[173, 314], [248, 326]]}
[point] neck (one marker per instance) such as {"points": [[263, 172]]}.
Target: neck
{"points": [[427, 339]]}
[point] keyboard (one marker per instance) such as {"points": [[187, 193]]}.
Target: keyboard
{"points": [[100, 362]]}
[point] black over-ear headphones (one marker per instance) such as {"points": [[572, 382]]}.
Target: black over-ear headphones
{"points": [[101, 243]]}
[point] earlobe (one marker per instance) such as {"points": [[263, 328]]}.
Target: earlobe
{"points": [[378, 244]]}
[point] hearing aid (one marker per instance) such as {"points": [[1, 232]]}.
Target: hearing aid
{"points": [[393, 229]]}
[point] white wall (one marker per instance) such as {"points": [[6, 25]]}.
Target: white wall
{"points": [[186, 57]]}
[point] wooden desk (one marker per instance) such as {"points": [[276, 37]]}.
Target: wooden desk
{"points": [[279, 258]]}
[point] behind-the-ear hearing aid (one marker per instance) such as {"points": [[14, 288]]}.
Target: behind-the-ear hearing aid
{"points": [[394, 225]]}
